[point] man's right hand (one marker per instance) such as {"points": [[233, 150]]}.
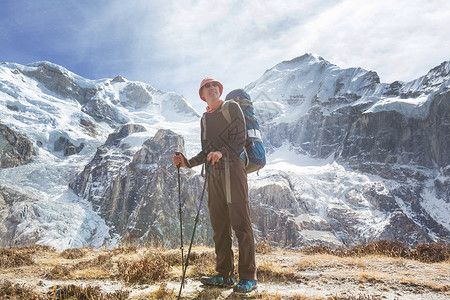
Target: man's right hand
{"points": [[180, 160]]}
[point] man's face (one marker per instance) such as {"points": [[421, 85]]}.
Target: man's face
{"points": [[211, 91]]}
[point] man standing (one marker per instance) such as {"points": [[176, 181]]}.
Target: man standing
{"points": [[222, 142]]}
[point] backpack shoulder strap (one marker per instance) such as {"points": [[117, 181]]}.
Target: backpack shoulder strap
{"points": [[225, 110], [203, 122]]}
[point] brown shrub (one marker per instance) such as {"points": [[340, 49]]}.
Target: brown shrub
{"points": [[14, 257], [263, 247], [383, 247], [202, 258], [85, 293], [117, 295], [103, 259], [73, 253], [318, 249], [149, 269], [8, 290], [36, 249], [431, 253], [58, 272], [201, 263], [161, 293], [172, 258], [123, 250]]}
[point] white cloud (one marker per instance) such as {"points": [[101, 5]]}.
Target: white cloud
{"points": [[172, 45], [236, 41], [401, 40]]}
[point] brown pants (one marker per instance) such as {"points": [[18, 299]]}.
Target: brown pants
{"points": [[227, 216]]}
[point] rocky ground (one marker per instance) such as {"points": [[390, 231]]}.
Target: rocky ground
{"points": [[39, 272]]}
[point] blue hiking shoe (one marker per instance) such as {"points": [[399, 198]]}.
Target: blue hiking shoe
{"points": [[245, 286], [218, 281]]}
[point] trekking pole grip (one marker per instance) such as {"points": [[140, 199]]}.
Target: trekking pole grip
{"points": [[178, 153]]}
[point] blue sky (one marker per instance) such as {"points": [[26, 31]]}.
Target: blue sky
{"points": [[172, 45]]}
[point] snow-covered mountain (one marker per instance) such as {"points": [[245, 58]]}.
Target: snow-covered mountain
{"points": [[381, 151], [48, 104], [350, 159]]}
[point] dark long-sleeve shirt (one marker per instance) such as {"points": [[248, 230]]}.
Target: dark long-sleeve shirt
{"points": [[219, 134]]}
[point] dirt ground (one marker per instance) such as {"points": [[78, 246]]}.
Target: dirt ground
{"points": [[282, 274]]}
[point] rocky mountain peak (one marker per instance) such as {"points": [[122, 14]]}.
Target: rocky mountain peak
{"points": [[437, 76], [122, 132], [443, 70], [118, 78], [290, 89], [307, 58], [160, 149]]}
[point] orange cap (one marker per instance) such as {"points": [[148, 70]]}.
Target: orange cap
{"points": [[206, 81]]}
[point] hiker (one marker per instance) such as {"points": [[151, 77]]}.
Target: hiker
{"points": [[222, 142]]}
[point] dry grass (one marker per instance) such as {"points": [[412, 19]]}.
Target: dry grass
{"points": [[38, 272], [9, 258], [20, 256], [274, 272], [84, 293], [263, 247], [200, 264], [429, 253], [161, 293], [9, 290], [149, 269], [74, 253]]}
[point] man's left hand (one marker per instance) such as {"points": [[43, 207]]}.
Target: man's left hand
{"points": [[214, 157]]}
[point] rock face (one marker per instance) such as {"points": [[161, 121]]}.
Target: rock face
{"points": [[115, 138], [136, 191], [64, 145], [15, 149], [14, 206], [399, 132], [392, 138], [280, 217]]}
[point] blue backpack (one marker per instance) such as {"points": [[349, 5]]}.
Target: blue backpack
{"points": [[254, 154]]}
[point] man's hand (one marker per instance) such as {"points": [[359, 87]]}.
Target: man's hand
{"points": [[214, 157], [180, 160]]}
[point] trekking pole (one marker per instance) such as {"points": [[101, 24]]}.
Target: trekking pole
{"points": [[193, 232], [180, 212]]}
